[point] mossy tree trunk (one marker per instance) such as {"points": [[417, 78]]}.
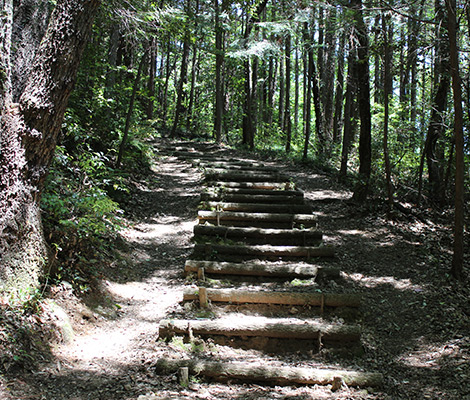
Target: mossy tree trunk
{"points": [[29, 132]]}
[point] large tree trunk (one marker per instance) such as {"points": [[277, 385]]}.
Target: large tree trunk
{"points": [[31, 18], [29, 132]]}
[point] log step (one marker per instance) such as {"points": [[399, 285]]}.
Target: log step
{"points": [[272, 375], [220, 190], [248, 326], [269, 220], [263, 251], [282, 270], [269, 185], [251, 235], [257, 207], [252, 198], [238, 296], [245, 176], [235, 165]]}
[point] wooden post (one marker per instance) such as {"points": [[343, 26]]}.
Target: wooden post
{"points": [[203, 300], [183, 376]]}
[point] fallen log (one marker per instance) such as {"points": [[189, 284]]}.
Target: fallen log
{"points": [[273, 375], [303, 237], [279, 328], [285, 298], [265, 250], [285, 270], [257, 207], [274, 220]]}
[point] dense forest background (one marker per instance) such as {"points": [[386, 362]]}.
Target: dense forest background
{"points": [[369, 91]]}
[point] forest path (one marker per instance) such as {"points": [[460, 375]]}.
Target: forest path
{"points": [[418, 341]]}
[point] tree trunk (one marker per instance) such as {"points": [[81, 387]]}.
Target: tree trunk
{"points": [[362, 69], [339, 90], [151, 80], [432, 150], [287, 119], [219, 62], [130, 111], [31, 18], [458, 256], [348, 127], [29, 134], [112, 61], [179, 108], [388, 86]]}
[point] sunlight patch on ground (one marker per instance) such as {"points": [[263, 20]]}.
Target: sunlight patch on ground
{"points": [[157, 230], [327, 194], [431, 356], [377, 281]]}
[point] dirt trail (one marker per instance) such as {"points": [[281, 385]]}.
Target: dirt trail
{"points": [[415, 320]]}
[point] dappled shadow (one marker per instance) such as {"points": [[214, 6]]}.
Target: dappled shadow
{"points": [[416, 324]]}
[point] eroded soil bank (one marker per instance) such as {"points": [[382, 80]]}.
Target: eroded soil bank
{"points": [[415, 318]]}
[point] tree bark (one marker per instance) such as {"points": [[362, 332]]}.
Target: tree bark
{"points": [[29, 134], [31, 18]]}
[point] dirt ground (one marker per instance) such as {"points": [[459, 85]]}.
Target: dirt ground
{"points": [[415, 318]]}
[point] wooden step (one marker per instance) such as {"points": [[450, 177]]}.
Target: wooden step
{"points": [[273, 375], [252, 198], [264, 220], [252, 235], [220, 190], [244, 176], [249, 326], [280, 270], [257, 207], [262, 251], [235, 165], [238, 296], [268, 185]]}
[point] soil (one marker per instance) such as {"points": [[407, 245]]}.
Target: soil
{"points": [[415, 318]]}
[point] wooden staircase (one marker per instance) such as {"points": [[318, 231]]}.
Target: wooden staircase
{"points": [[253, 223]]}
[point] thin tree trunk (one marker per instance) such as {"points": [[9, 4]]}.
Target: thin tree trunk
{"points": [[130, 110], [365, 158], [219, 60], [287, 119], [432, 149], [458, 256], [297, 90], [307, 91], [348, 127], [339, 90], [282, 91], [151, 80], [192, 90], [388, 83]]}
